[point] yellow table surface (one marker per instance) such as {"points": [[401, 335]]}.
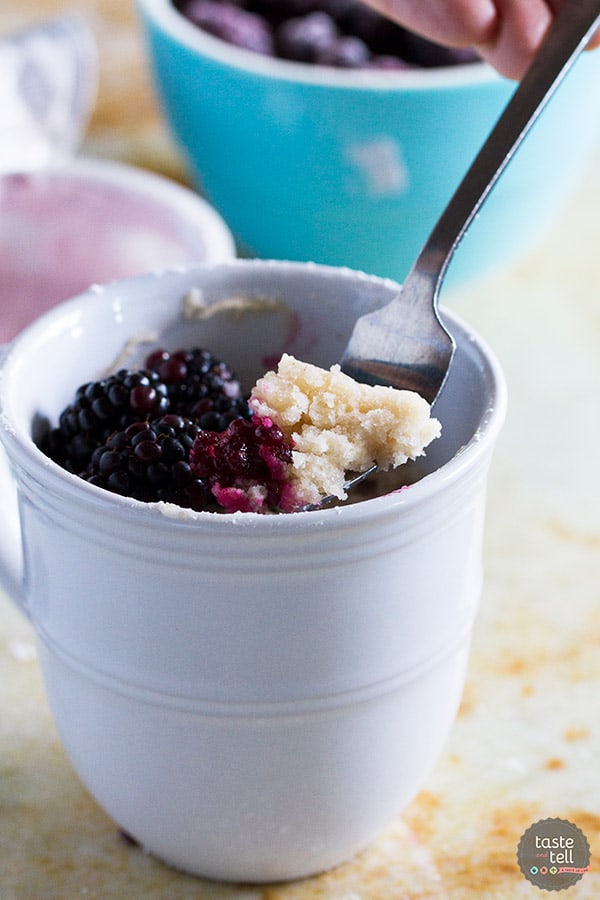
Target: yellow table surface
{"points": [[526, 744]]}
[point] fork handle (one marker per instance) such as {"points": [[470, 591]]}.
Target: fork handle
{"points": [[566, 38]]}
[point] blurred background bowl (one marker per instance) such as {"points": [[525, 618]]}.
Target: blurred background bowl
{"points": [[350, 167], [93, 221]]}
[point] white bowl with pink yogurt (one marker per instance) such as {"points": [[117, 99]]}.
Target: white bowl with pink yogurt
{"points": [[92, 221]]}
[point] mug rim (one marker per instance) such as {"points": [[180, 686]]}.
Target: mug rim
{"points": [[64, 483], [173, 23]]}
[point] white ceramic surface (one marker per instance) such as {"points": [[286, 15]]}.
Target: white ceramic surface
{"points": [[252, 697]]}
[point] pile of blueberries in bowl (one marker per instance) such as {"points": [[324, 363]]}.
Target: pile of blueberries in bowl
{"points": [[341, 33], [320, 130]]}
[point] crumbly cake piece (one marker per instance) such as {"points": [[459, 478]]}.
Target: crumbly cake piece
{"points": [[338, 425]]}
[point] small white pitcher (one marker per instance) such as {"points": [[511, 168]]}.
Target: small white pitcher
{"points": [[252, 697]]}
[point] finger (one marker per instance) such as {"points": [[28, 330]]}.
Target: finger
{"points": [[521, 26], [456, 23], [506, 33]]}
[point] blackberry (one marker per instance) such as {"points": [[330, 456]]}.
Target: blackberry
{"points": [[247, 466], [200, 386], [150, 461], [100, 408]]}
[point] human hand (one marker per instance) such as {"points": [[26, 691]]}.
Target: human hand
{"points": [[506, 33]]}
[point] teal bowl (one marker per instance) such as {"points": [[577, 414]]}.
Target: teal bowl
{"points": [[354, 167]]}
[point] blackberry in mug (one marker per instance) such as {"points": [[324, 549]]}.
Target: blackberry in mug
{"points": [[98, 409], [150, 461], [287, 446], [200, 386], [192, 383]]}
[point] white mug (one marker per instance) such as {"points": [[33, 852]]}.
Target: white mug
{"points": [[252, 697]]}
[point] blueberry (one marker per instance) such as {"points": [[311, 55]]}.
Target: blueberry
{"points": [[233, 24], [346, 52], [327, 32], [302, 39]]}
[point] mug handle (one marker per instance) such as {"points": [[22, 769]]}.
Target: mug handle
{"points": [[11, 553]]}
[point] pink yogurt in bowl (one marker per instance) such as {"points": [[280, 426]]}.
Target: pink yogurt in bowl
{"points": [[66, 228]]}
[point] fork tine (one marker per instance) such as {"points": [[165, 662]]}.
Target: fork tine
{"points": [[352, 482], [404, 345]]}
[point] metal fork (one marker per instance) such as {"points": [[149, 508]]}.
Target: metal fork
{"points": [[405, 344]]}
